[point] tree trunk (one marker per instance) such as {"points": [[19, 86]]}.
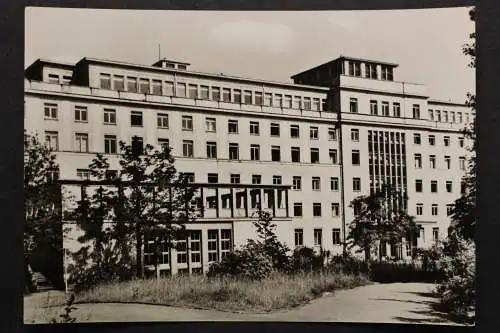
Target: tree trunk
{"points": [[367, 252], [138, 250]]}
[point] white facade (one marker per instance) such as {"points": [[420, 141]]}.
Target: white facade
{"points": [[324, 116]]}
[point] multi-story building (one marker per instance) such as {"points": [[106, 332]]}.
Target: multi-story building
{"points": [[340, 130]]}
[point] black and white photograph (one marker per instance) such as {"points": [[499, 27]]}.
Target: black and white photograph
{"points": [[254, 166]]}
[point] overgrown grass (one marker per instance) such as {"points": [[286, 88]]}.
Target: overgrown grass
{"points": [[276, 292]]}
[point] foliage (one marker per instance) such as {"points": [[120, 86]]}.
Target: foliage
{"points": [[458, 264], [379, 218], [42, 225], [350, 265], [305, 259], [66, 317], [464, 215], [147, 198]]}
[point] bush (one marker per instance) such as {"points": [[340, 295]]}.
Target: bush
{"points": [[305, 259], [349, 265], [245, 263], [457, 289], [388, 272]]}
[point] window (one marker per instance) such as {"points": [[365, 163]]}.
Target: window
{"points": [[314, 155], [445, 116], [432, 161], [416, 111], [52, 140], [294, 131], [277, 180], [50, 110], [258, 98], [318, 236], [354, 68], [418, 185], [162, 120], [316, 209], [297, 102], [111, 174], [453, 119], [237, 96], [163, 142], [255, 152], [109, 117], [396, 110], [373, 108], [187, 176], [336, 236], [417, 138], [355, 157], [307, 103], [418, 161], [54, 78], [299, 237], [438, 116], [254, 128], [297, 183], [449, 209], [82, 142], [371, 71], [169, 88], [334, 183], [332, 134], [354, 134], [449, 186], [110, 144], [431, 115], [434, 209], [105, 81], [232, 126], [447, 162], [288, 101], [157, 88], [314, 133], [432, 140], [434, 186], [136, 118], [461, 163], [461, 142], [181, 89], [332, 154], [316, 106], [235, 178], [356, 209], [279, 100], [387, 73], [187, 148], [385, 109], [446, 141], [356, 184], [192, 91], [144, 86], [213, 178], [131, 84], [187, 123], [275, 153], [210, 125], [435, 234], [137, 145], [211, 149], [181, 251], [234, 151], [296, 154], [297, 209], [247, 97], [226, 95], [256, 179], [213, 245], [83, 174], [275, 129], [204, 92], [226, 243], [420, 209], [316, 183], [268, 99], [335, 209], [81, 113]]}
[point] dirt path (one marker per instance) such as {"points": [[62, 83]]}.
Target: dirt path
{"points": [[378, 303]]}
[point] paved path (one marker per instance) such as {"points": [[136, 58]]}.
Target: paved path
{"points": [[378, 303]]}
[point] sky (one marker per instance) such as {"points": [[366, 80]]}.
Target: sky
{"points": [[273, 45]]}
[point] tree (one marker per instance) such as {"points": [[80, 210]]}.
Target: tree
{"points": [[464, 215], [379, 218], [148, 197], [42, 213]]}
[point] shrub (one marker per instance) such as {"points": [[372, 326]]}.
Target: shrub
{"points": [[458, 265], [349, 265], [246, 263], [305, 259]]}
